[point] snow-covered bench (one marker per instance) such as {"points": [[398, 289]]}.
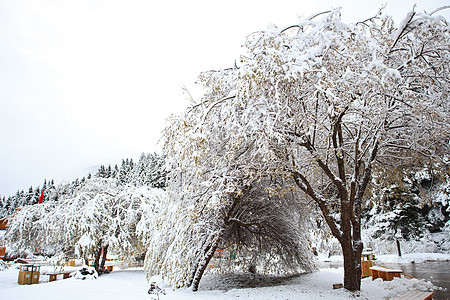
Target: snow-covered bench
{"points": [[384, 273], [53, 275], [414, 295]]}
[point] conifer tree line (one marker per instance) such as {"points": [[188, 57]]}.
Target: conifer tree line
{"points": [[147, 171]]}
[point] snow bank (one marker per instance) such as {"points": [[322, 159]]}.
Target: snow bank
{"points": [[379, 289]]}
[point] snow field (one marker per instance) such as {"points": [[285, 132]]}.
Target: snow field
{"points": [[131, 284]]}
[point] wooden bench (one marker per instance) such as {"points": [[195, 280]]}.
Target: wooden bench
{"points": [[414, 295], [2, 252], [109, 268], [53, 275], [384, 273]]}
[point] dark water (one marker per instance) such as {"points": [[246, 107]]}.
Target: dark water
{"points": [[436, 272]]}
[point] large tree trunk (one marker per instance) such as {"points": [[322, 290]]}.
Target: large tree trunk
{"points": [[352, 267], [199, 253], [102, 264], [97, 257]]}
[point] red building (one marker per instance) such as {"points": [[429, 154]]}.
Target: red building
{"points": [[3, 225]]}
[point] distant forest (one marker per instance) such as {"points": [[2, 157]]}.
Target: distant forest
{"points": [[149, 170]]}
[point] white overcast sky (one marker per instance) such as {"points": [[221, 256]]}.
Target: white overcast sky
{"points": [[84, 83]]}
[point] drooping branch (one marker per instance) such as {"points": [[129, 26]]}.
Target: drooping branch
{"points": [[439, 9], [211, 106], [248, 226], [372, 18]]}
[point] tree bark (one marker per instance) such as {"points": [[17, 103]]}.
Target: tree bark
{"points": [[352, 267], [210, 248], [97, 257], [105, 251], [205, 261], [199, 253]]}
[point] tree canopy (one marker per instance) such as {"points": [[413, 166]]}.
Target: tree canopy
{"points": [[320, 104]]}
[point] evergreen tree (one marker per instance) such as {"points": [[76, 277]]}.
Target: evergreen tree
{"points": [[101, 173], [115, 171]]}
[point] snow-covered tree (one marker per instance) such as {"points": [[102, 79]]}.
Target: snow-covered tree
{"points": [[320, 103], [148, 171], [29, 231], [255, 228], [409, 204], [103, 216], [132, 219]]}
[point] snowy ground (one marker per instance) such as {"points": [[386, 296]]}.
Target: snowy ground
{"points": [[131, 284]]}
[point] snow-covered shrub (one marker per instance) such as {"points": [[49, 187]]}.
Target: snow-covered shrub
{"points": [[3, 265], [86, 273]]}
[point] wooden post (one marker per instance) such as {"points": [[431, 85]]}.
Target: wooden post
{"points": [[398, 248]]}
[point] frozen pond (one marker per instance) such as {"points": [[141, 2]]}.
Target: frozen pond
{"points": [[436, 272]]}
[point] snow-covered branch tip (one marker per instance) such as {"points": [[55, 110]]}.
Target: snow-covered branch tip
{"points": [[402, 28], [439, 9], [306, 19], [212, 105]]}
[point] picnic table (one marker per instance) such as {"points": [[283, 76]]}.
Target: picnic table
{"points": [[384, 273]]}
